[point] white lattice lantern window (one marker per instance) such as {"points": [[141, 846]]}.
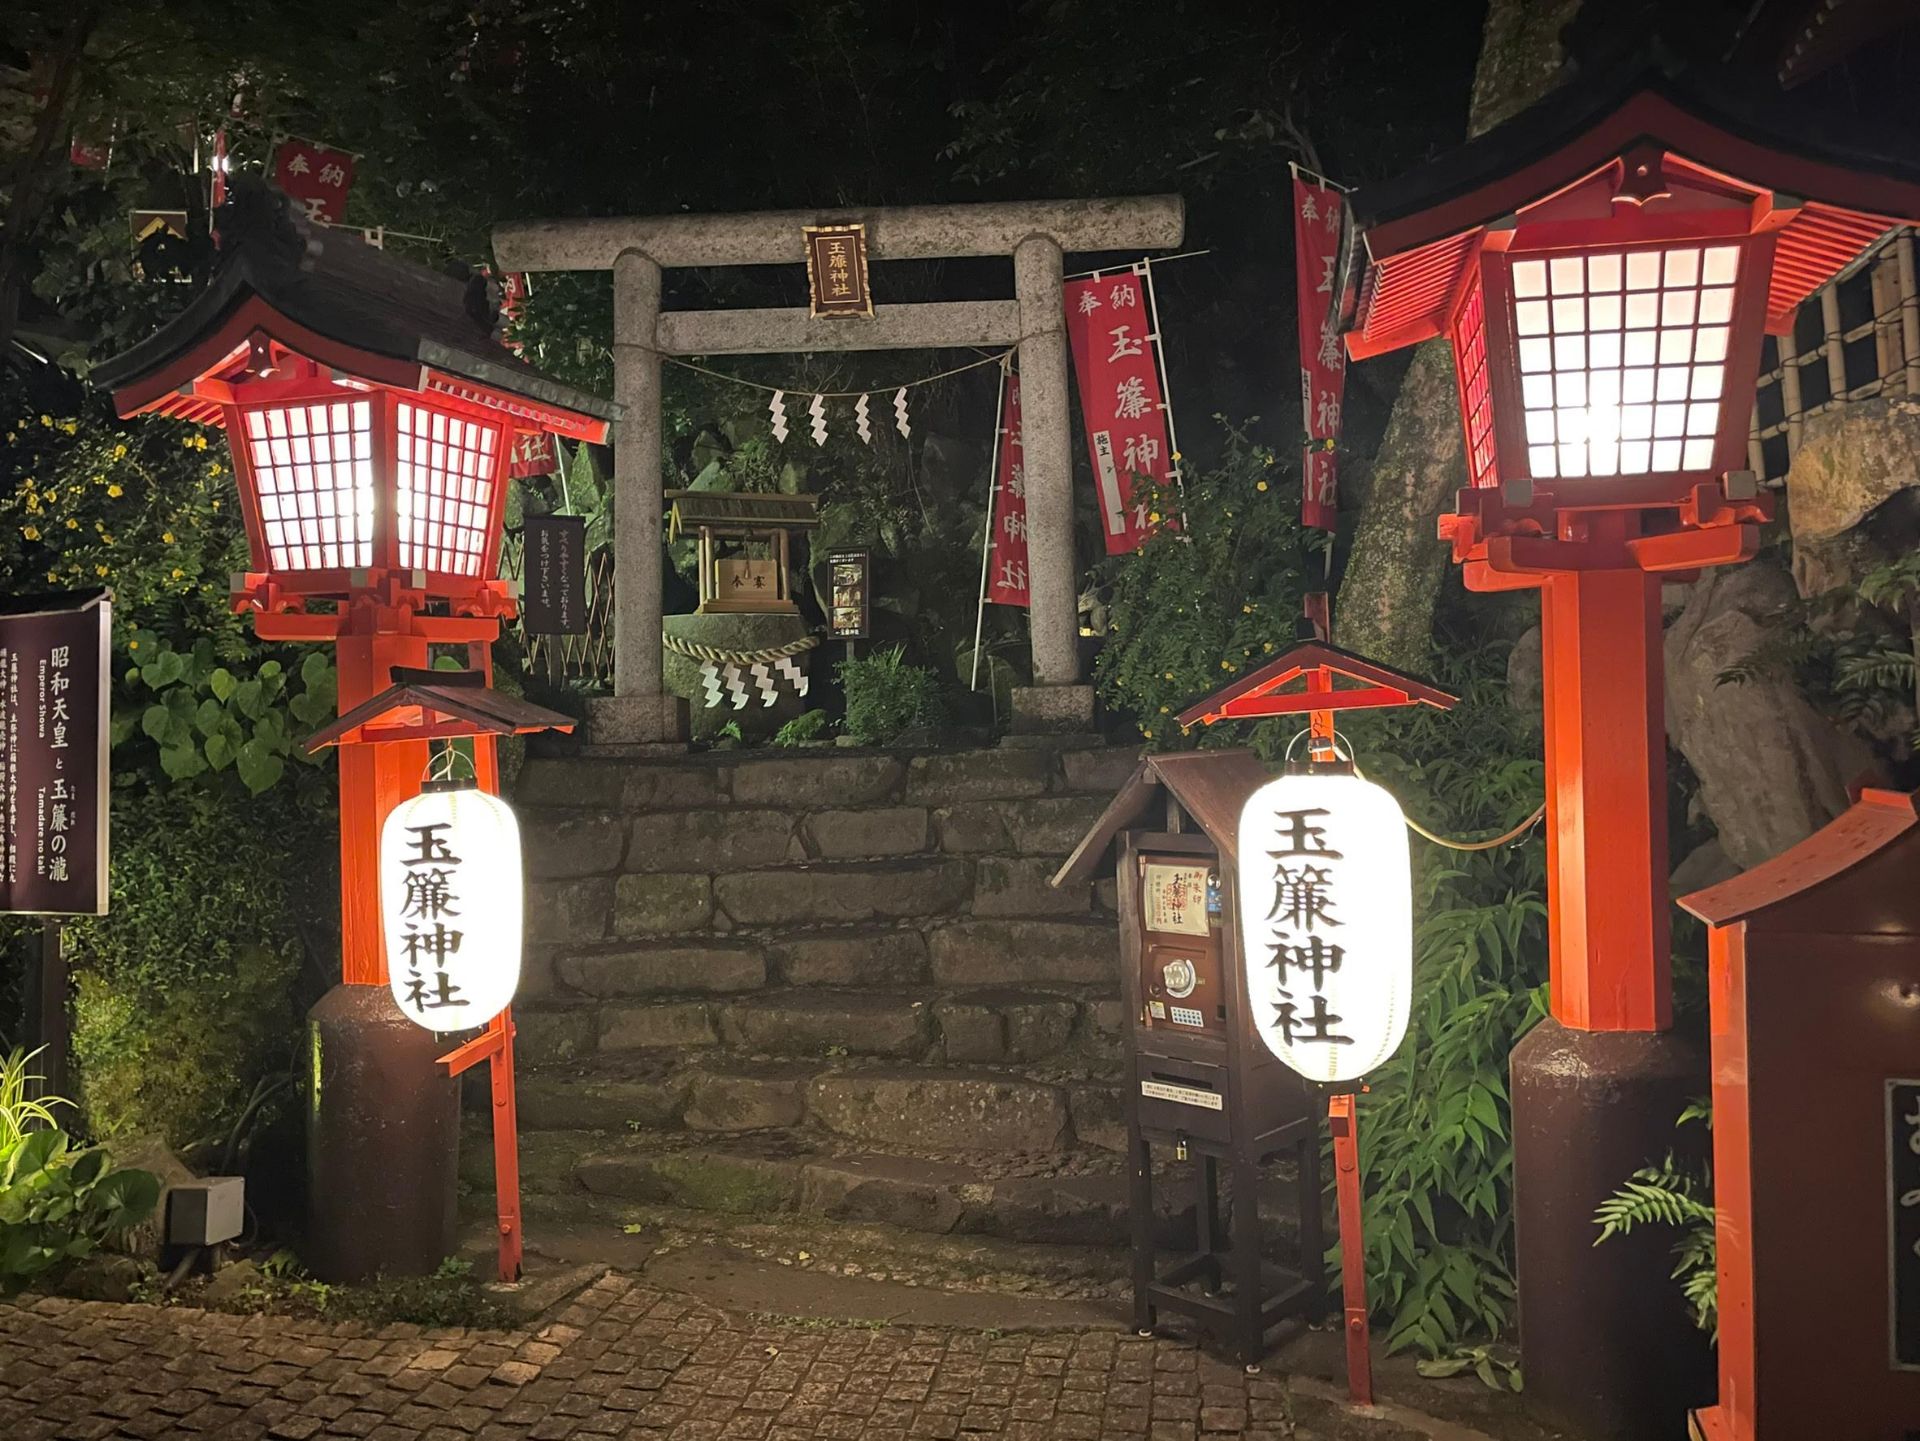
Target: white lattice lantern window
{"points": [[450, 904], [1605, 340], [334, 485], [1326, 914]]}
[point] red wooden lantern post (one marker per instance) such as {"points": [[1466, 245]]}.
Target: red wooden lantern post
{"points": [[370, 414], [1605, 265]]}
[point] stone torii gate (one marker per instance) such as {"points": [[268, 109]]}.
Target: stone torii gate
{"points": [[1036, 234]]}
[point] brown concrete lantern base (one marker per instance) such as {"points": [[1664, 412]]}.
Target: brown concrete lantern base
{"points": [[1606, 1344], [383, 1140]]}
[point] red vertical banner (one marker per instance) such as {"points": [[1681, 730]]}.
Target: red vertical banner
{"points": [[1110, 326], [1317, 234], [1007, 582], [317, 176]]}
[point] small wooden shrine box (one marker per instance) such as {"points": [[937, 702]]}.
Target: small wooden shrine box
{"points": [[1200, 1081], [744, 522], [1815, 976]]}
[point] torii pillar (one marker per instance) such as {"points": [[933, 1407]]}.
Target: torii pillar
{"points": [[1035, 234]]}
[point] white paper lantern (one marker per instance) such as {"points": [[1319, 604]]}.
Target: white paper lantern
{"points": [[450, 905], [1325, 898]]}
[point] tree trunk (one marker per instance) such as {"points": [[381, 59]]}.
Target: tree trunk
{"points": [[1397, 562]]}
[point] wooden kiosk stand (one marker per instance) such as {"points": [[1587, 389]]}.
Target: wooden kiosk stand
{"points": [[1815, 989], [1200, 1083]]}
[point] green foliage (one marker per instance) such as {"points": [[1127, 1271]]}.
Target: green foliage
{"points": [[802, 728], [202, 717], [885, 695], [1670, 1194], [1199, 605], [450, 1296], [186, 991], [58, 1202]]}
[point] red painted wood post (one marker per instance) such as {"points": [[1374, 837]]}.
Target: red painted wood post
{"points": [[1343, 1124]]}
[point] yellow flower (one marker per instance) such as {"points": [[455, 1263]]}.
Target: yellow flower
{"points": [[1259, 485], [1268, 647], [72, 524], [133, 645], [1153, 516], [216, 505], [1147, 734], [31, 532], [99, 570], [69, 426], [114, 492], [47, 420], [199, 442], [105, 537], [186, 442], [1176, 455], [120, 452], [1166, 710], [166, 537], [1226, 665], [53, 577], [1246, 610], [177, 572], [1169, 675]]}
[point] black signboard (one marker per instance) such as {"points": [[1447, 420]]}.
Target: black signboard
{"points": [[554, 596], [849, 616], [53, 753], [1903, 1220]]}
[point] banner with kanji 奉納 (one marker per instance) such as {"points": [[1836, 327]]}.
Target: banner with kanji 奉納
{"points": [[1007, 582], [1323, 356], [1110, 326]]}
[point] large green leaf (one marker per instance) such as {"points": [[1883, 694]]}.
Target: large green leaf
{"points": [[164, 669], [258, 766]]}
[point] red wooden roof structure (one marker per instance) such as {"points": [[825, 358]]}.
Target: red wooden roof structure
{"points": [[1423, 232], [436, 705], [1319, 666], [1862, 831], [287, 286]]}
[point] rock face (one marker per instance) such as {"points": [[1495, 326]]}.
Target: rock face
{"points": [[1852, 460], [1772, 769], [681, 675]]}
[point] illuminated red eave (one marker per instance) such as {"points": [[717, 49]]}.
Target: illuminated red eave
{"points": [[167, 390], [1417, 259], [1377, 685]]}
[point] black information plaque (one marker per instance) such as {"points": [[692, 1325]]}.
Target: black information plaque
{"points": [[554, 596], [54, 675], [1903, 1220]]}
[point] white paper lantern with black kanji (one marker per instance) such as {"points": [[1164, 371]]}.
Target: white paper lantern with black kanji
{"points": [[450, 905], [1325, 898]]}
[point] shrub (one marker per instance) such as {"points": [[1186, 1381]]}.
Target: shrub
{"points": [[885, 695], [58, 1202]]}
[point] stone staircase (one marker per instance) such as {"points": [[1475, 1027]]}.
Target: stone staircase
{"points": [[832, 986]]}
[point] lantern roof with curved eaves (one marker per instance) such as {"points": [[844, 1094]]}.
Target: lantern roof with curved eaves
{"points": [[327, 295], [1829, 198]]}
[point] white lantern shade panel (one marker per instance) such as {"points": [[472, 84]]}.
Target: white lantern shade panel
{"points": [[1325, 901], [450, 904]]}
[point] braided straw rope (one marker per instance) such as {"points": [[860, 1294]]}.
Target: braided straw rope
{"points": [[713, 655]]}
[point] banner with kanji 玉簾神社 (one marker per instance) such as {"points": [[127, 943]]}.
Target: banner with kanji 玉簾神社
{"points": [[316, 175], [1007, 549], [1317, 234], [1110, 325]]}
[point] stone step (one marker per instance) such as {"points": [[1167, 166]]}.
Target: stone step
{"points": [[821, 780], [1075, 1197], [779, 1173], [955, 1109], [984, 1024]]}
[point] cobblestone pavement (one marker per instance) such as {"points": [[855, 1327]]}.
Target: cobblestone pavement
{"points": [[621, 1359]]}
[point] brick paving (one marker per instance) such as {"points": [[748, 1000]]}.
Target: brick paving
{"points": [[622, 1359]]}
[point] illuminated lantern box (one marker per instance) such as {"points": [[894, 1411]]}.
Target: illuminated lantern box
{"points": [[1815, 970]]}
